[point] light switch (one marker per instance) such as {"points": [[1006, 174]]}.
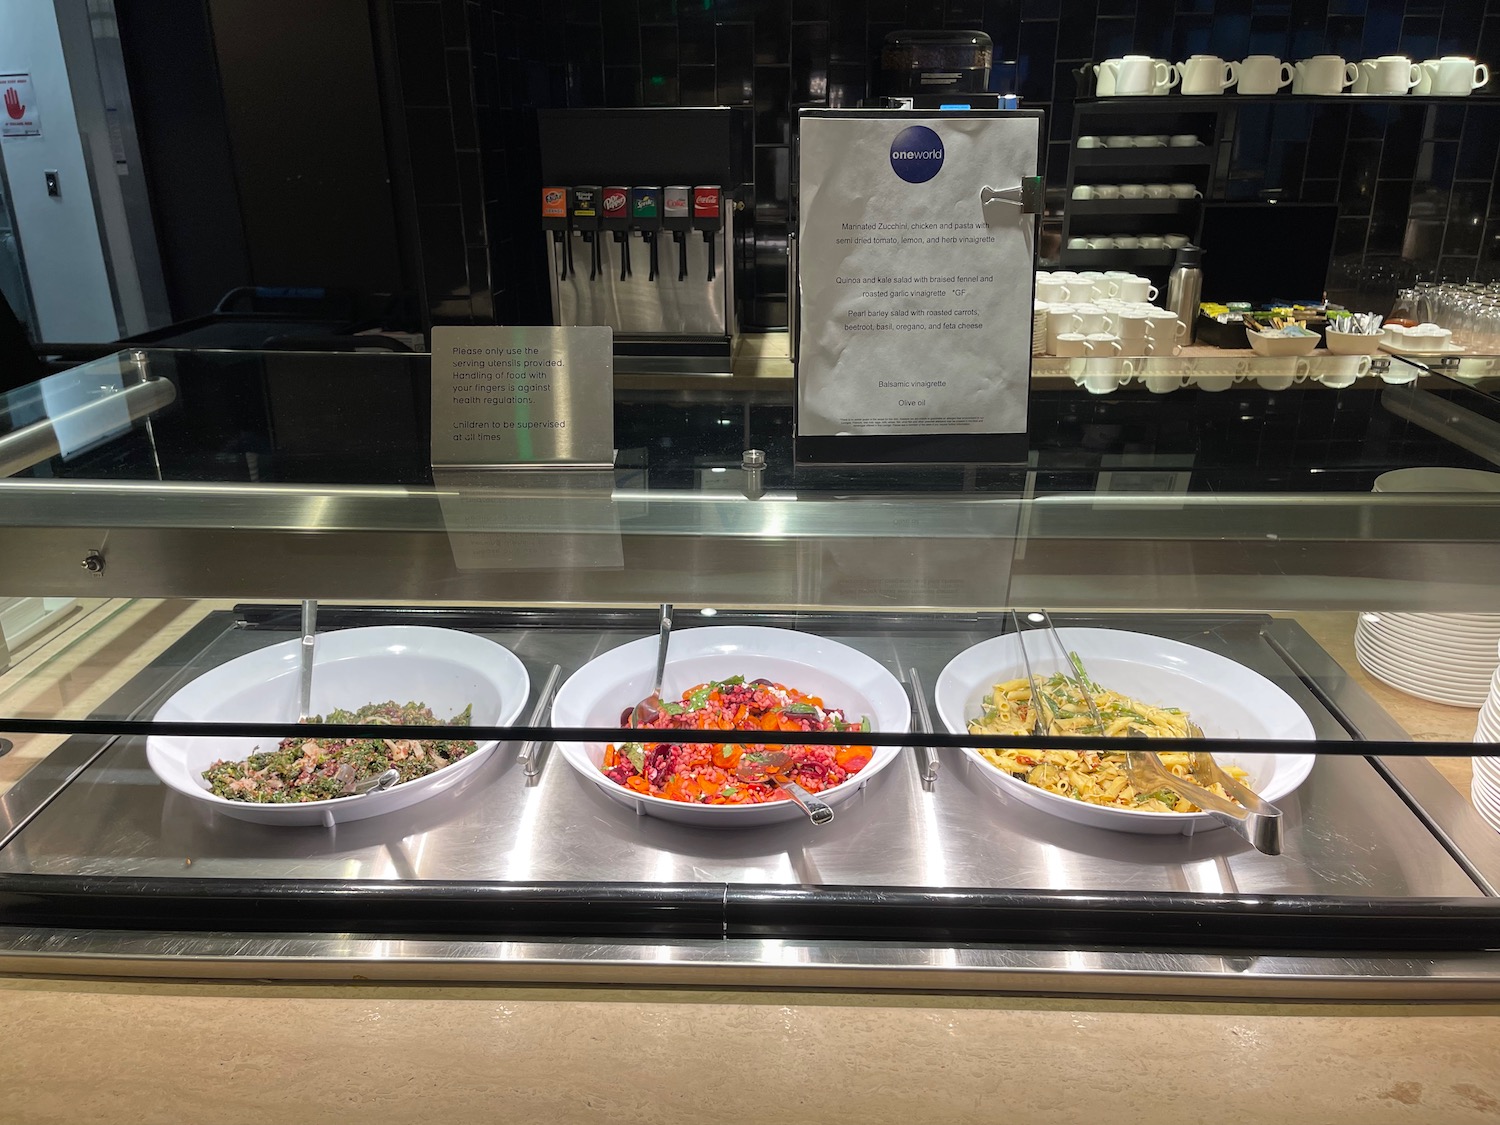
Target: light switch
{"points": [[52, 188]]}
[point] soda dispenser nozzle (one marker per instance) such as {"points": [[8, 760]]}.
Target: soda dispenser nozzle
{"points": [[584, 209], [645, 216], [707, 212], [555, 219], [615, 215], [677, 217]]}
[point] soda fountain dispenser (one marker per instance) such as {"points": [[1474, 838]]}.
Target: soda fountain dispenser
{"points": [[706, 219], [555, 219], [677, 217], [616, 220], [645, 217], [679, 171]]}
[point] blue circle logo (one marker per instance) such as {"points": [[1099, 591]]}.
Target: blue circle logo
{"points": [[917, 154]]}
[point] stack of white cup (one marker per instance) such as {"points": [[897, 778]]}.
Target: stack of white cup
{"points": [[1094, 314]]}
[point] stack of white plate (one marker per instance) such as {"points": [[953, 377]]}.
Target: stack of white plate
{"points": [[1486, 785], [1444, 657], [1039, 311]]}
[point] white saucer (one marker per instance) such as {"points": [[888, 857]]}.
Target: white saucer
{"points": [[1428, 671]]}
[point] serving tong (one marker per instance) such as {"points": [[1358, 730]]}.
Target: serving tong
{"points": [[1253, 818]]}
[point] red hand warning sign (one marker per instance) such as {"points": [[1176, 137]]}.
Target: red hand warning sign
{"points": [[18, 112]]}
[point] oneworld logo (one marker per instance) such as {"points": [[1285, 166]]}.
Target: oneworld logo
{"points": [[917, 154]]}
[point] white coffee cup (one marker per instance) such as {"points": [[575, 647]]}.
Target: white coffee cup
{"points": [[1127, 242], [1088, 319], [1207, 74], [1276, 374], [1339, 379], [1053, 291], [1389, 74], [1106, 191], [1158, 191], [1151, 140], [1098, 383], [1132, 191], [1070, 345], [1138, 74], [1160, 85], [1137, 289], [1153, 242], [1264, 74], [1185, 191], [1078, 244], [1164, 328], [1182, 140], [1323, 74], [1216, 381], [1119, 140], [1163, 347], [1101, 242], [1090, 142], [1456, 76], [1105, 74], [1161, 384], [1130, 324], [1083, 191], [1176, 241], [1104, 343]]}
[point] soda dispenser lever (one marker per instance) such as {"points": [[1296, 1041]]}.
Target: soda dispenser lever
{"points": [[555, 219], [677, 217], [645, 216], [616, 219], [707, 210], [585, 214]]}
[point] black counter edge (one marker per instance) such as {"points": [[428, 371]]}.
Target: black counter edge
{"points": [[1259, 923]]}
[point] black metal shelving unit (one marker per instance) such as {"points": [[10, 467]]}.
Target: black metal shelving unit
{"points": [[1082, 218]]}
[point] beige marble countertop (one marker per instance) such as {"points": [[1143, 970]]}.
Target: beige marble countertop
{"points": [[122, 1052]]}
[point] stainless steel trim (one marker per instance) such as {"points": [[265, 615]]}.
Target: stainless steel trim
{"points": [[528, 756], [31, 445], [754, 963], [1451, 818], [793, 296], [930, 759], [1445, 418], [1472, 843], [45, 780]]}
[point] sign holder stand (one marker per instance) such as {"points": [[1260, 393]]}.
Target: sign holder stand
{"points": [[996, 189]]}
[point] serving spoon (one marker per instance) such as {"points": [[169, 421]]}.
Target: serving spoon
{"points": [[765, 766], [379, 783], [648, 708], [305, 660]]}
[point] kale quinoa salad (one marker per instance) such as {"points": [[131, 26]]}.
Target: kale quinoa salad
{"points": [[310, 768]]}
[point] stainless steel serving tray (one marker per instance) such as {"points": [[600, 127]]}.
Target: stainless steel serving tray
{"points": [[505, 856]]}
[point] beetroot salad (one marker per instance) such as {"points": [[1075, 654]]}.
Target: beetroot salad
{"points": [[706, 773]]}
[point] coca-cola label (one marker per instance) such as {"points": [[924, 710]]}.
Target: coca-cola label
{"points": [[676, 205], [706, 203]]}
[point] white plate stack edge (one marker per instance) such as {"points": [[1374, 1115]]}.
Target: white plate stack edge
{"points": [[1485, 789], [1442, 657]]}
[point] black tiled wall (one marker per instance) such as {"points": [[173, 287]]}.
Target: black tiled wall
{"points": [[1414, 182]]}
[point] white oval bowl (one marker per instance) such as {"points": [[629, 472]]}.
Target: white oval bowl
{"points": [[1226, 699], [446, 669], [843, 677]]}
